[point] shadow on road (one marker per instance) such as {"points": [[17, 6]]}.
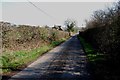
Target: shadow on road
{"points": [[68, 62]]}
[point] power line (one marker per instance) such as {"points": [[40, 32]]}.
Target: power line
{"points": [[41, 10]]}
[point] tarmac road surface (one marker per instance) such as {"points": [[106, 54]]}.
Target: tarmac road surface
{"points": [[65, 62]]}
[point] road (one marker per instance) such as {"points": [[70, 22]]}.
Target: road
{"points": [[65, 62]]}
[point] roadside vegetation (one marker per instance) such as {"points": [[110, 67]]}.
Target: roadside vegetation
{"points": [[95, 59], [102, 33], [21, 44], [71, 26]]}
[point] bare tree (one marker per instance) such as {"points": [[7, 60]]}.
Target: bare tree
{"points": [[70, 24]]}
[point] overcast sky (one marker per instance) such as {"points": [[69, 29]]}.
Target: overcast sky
{"points": [[57, 12]]}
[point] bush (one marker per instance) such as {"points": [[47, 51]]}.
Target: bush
{"points": [[27, 37], [23, 43], [103, 33]]}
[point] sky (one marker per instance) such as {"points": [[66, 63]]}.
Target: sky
{"points": [[49, 13]]}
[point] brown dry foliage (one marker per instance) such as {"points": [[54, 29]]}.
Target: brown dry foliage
{"points": [[26, 37]]}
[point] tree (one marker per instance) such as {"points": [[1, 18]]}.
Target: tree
{"points": [[70, 24]]}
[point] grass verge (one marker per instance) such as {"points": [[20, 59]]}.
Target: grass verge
{"points": [[92, 55], [97, 60], [14, 60]]}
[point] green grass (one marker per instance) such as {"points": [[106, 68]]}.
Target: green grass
{"points": [[14, 60], [92, 55], [55, 43], [97, 61]]}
